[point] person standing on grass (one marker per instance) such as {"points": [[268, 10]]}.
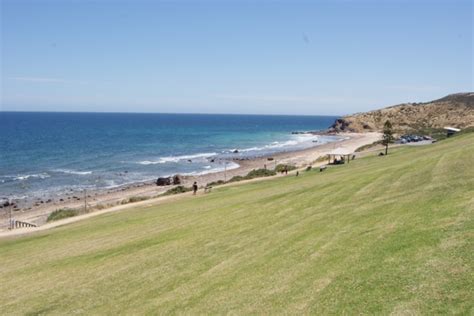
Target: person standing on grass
{"points": [[195, 188]]}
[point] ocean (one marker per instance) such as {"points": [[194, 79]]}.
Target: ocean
{"points": [[51, 153]]}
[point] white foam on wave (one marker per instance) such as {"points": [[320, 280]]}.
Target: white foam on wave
{"points": [[13, 197], [21, 177], [175, 159], [296, 140], [68, 171], [230, 165]]}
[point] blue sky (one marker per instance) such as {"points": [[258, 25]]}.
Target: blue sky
{"points": [[261, 57]]}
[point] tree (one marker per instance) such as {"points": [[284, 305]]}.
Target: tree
{"points": [[387, 137]]}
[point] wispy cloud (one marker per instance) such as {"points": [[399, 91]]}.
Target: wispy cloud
{"points": [[39, 79], [284, 99], [34, 79]]}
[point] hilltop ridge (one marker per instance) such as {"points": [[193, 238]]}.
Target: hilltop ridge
{"points": [[455, 110]]}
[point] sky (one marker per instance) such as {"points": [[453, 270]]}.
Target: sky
{"points": [[257, 57]]}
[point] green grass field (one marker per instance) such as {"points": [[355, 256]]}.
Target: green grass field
{"points": [[378, 236]]}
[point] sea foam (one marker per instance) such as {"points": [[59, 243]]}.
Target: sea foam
{"points": [[175, 159]]}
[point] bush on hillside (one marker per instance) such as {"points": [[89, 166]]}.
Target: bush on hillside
{"points": [[215, 183], [177, 190], [257, 173], [138, 198], [62, 213], [281, 167], [236, 178]]}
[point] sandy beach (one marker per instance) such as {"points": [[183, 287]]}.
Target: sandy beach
{"points": [[37, 211]]}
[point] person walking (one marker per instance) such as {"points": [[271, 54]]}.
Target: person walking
{"points": [[195, 188]]}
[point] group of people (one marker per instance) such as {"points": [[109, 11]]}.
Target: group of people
{"points": [[284, 170]]}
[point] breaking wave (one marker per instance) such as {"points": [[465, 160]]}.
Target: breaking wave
{"points": [[175, 159]]}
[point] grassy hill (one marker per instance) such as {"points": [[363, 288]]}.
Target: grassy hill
{"points": [[382, 235], [455, 110]]}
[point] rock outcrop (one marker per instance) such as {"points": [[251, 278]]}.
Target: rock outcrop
{"points": [[163, 181], [456, 110]]}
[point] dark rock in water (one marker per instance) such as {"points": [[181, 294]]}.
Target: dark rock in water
{"points": [[212, 160], [189, 160], [163, 181], [61, 200], [235, 151], [177, 179]]}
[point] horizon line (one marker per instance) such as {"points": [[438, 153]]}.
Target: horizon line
{"points": [[170, 113]]}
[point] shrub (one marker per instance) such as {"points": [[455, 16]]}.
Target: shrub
{"points": [[62, 213], [281, 167], [177, 190], [236, 178], [138, 198], [214, 183], [257, 173], [100, 206]]}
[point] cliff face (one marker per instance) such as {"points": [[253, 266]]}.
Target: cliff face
{"points": [[456, 110]]}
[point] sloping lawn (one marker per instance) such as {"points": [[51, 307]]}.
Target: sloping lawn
{"points": [[380, 235]]}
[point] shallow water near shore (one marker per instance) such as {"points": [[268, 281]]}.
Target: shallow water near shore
{"points": [[46, 154]]}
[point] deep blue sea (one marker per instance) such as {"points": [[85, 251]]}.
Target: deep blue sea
{"points": [[49, 153]]}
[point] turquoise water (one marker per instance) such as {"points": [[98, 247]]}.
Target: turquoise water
{"points": [[44, 153]]}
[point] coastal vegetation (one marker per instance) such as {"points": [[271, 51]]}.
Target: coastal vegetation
{"points": [[134, 199], [387, 137], [138, 198], [177, 190], [62, 213], [256, 173], [381, 235], [283, 167]]}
